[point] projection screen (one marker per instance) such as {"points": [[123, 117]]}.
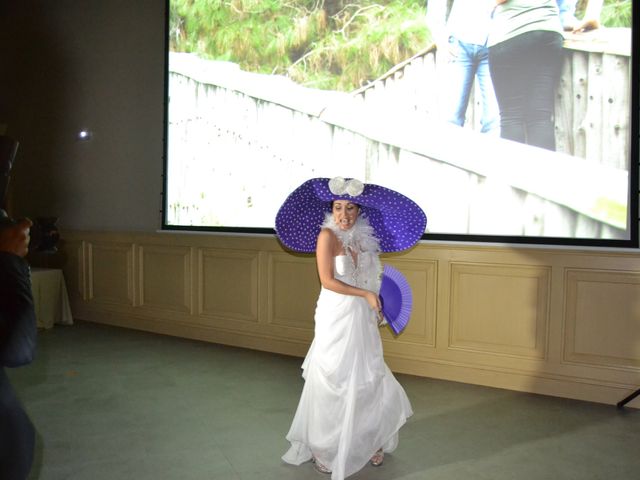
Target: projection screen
{"points": [[261, 96]]}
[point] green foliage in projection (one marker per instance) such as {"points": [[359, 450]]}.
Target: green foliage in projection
{"points": [[328, 44], [615, 13], [322, 44]]}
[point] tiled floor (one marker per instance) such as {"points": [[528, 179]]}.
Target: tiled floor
{"points": [[111, 403]]}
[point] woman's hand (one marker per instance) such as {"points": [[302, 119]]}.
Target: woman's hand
{"points": [[591, 19], [373, 300], [586, 25]]}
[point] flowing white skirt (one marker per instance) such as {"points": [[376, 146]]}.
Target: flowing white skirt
{"points": [[351, 404]]}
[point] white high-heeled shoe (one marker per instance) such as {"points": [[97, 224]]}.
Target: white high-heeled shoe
{"points": [[319, 467], [377, 458]]}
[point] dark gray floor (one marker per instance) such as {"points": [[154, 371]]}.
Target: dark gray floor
{"points": [[111, 403]]}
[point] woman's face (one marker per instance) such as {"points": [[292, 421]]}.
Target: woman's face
{"points": [[345, 213]]}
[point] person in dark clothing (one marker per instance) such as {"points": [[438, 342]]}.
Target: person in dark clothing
{"points": [[525, 60], [17, 347]]}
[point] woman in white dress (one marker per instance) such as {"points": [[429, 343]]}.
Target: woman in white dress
{"points": [[351, 406]]}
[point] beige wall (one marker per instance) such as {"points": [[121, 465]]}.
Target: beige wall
{"points": [[565, 322], [560, 322], [97, 64]]}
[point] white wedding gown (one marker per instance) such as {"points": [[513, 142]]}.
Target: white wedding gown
{"points": [[351, 404]]}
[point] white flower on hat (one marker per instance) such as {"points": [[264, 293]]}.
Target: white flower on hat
{"points": [[340, 186], [354, 187], [336, 185]]}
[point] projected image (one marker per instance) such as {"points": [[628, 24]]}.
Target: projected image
{"points": [[496, 127]]}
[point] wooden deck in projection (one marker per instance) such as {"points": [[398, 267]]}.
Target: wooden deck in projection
{"points": [[223, 117]]}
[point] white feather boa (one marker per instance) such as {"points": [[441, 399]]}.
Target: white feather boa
{"points": [[360, 239]]}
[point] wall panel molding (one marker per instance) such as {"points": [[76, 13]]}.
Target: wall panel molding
{"points": [[500, 309], [293, 287], [164, 278], [228, 285], [602, 326], [553, 321], [109, 273]]}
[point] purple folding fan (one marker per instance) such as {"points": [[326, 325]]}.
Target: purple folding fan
{"points": [[396, 299]]}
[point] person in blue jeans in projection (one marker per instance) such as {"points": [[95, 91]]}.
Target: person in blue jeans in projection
{"points": [[463, 39]]}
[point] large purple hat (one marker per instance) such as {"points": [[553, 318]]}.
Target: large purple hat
{"points": [[398, 221]]}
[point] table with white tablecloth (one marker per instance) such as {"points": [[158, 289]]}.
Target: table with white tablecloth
{"points": [[50, 297]]}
